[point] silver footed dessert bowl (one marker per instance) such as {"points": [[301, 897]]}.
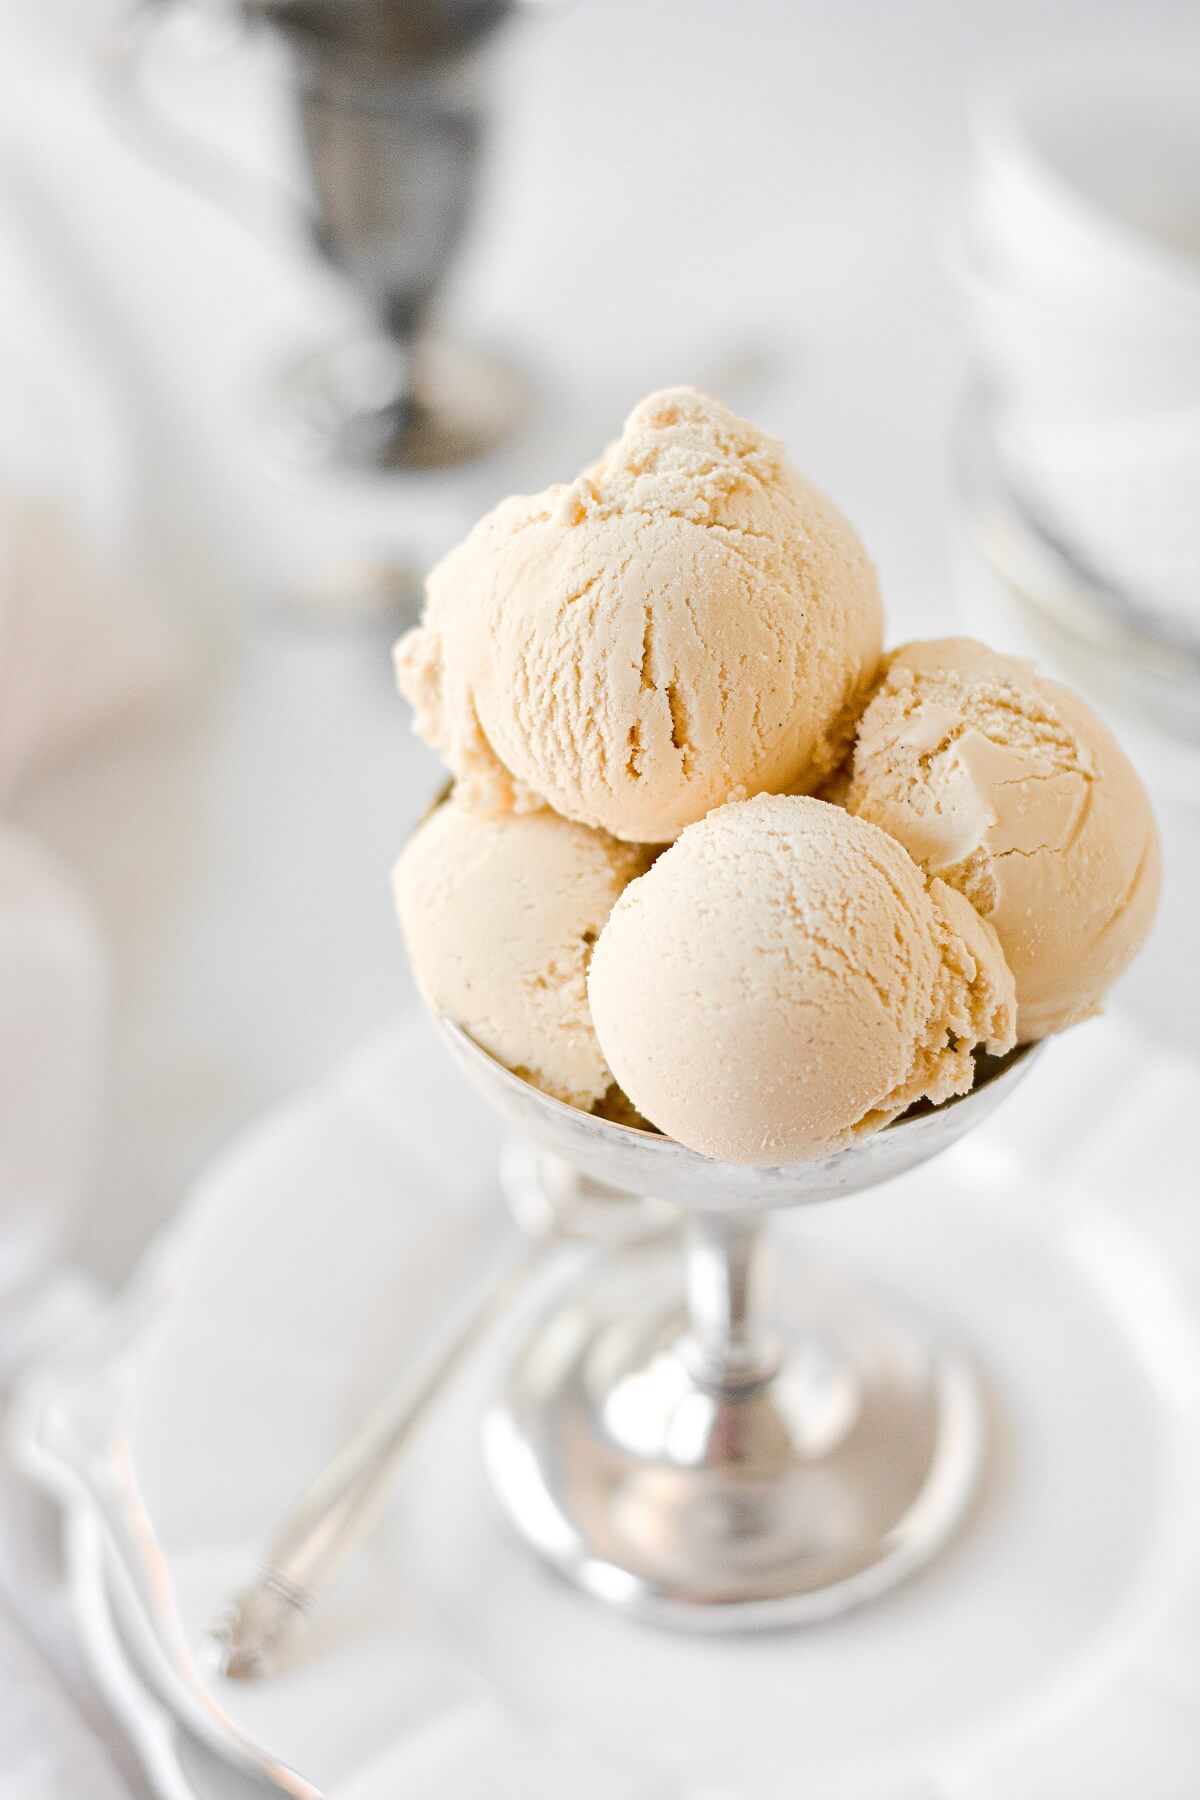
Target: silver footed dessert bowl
{"points": [[701, 1439], [730, 908]]}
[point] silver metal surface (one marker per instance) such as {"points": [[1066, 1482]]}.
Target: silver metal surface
{"points": [[692, 1501], [697, 1454], [643, 1162], [339, 1511]]}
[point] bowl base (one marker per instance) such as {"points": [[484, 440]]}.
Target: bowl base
{"points": [[368, 404], [785, 1500]]}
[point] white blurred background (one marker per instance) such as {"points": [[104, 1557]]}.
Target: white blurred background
{"points": [[757, 198]]}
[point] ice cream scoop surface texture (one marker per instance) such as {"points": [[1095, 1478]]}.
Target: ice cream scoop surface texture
{"points": [[500, 916], [785, 979], [687, 621], [1006, 786]]}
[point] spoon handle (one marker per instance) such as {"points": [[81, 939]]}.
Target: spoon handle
{"points": [[342, 1506]]}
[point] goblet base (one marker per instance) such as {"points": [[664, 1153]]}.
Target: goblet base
{"points": [[789, 1496], [372, 403]]}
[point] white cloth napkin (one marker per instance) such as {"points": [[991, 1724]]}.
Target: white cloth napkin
{"points": [[54, 981], [81, 642], [82, 646], [47, 1752]]}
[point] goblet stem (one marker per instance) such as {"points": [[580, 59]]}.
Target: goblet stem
{"points": [[727, 1275]]}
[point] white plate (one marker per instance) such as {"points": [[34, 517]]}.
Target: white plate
{"points": [[180, 1766], [1051, 1652]]}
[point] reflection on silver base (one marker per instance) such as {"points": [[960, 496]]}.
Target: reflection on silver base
{"points": [[373, 403], [688, 1451], [791, 1496]]}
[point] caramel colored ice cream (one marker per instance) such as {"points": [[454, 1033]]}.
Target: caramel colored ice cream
{"points": [[500, 916], [785, 979], [688, 621], [1005, 786]]}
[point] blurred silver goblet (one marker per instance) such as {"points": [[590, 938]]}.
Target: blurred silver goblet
{"points": [[697, 1451], [390, 102]]}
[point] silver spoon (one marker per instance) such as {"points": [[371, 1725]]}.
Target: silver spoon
{"points": [[553, 1203]]}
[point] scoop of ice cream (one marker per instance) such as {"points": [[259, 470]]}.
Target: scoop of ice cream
{"points": [[785, 979], [500, 916], [688, 621], [1009, 789]]}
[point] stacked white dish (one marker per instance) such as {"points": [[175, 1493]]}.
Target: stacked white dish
{"points": [[1080, 267]]}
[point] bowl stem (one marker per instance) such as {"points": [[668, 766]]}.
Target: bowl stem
{"points": [[727, 1265]]}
